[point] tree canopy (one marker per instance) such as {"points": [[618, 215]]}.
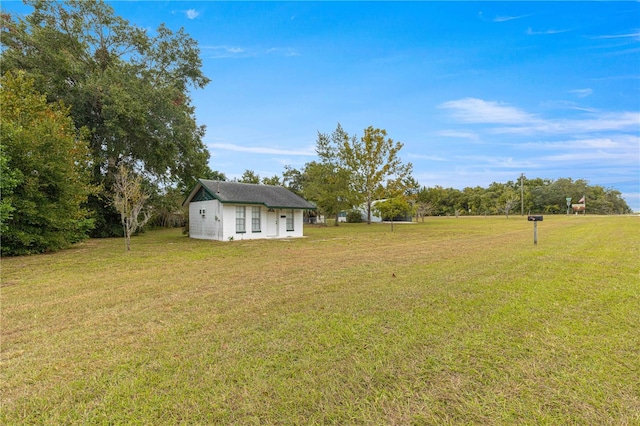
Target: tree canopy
{"points": [[351, 171], [45, 172], [128, 88], [376, 167]]}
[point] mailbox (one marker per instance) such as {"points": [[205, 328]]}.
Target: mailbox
{"points": [[534, 218]]}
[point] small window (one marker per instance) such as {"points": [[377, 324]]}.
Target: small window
{"points": [[255, 219], [290, 220], [240, 219]]}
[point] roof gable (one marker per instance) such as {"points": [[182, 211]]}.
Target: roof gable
{"points": [[247, 193]]}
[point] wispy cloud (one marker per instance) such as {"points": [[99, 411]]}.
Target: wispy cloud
{"points": [[623, 142], [473, 110], [582, 93], [508, 18], [309, 151], [427, 157], [599, 122], [598, 156], [458, 134], [192, 13], [502, 162], [635, 35], [225, 51], [478, 111], [530, 31], [282, 51], [563, 104]]}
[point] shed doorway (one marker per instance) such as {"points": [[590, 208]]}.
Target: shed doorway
{"points": [[272, 223]]}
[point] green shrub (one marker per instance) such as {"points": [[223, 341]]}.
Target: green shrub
{"points": [[354, 216]]}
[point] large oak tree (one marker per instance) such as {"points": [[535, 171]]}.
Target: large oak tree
{"points": [[130, 88]]}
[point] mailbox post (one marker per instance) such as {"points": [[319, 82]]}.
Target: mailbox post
{"points": [[535, 220]]}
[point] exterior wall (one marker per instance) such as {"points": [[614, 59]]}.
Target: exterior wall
{"points": [[298, 223], [219, 222], [205, 219]]}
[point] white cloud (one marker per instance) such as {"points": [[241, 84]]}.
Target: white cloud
{"points": [[635, 35], [530, 31], [192, 13], [563, 104], [426, 157], [603, 122], [582, 93], [226, 51], [623, 148], [458, 134], [473, 110], [517, 121], [508, 18], [503, 162], [282, 51], [309, 151], [598, 156]]}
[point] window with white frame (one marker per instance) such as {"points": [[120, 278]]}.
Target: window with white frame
{"points": [[240, 219], [290, 220], [255, 219]]}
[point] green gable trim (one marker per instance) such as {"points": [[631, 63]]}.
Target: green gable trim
{"points": [[202, 195]]}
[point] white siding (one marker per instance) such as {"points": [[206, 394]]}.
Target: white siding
{"points": [[219, 222], [208, 225]]}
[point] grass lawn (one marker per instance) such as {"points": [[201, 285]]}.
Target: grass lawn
{"points": [[450, 321]]}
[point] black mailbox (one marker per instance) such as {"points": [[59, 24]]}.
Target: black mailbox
{"points": [[534, 218]]}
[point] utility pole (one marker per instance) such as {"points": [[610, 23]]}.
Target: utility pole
{"points": [[522, 194]]}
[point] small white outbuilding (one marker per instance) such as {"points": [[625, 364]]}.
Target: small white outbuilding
{"points": [[226, 211]]}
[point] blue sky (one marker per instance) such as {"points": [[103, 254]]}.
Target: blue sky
{"points": [[477, 92]]}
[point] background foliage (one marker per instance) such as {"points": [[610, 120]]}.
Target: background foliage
{"points": [[45, 172], [129, 89]]}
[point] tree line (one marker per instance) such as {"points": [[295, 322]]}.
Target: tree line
{"points": [[521, 196], [351, 173]]}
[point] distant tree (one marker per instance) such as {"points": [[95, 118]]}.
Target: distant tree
{"points": [[373, 160], [328, 187], [214, 175], [130, 199], [167, 208], [411, 190], [45, 172], [443, 201], [293, 180], [249, 176], [423, 208], [507, 200], [391, 208], [273, 180], [328, 182]]}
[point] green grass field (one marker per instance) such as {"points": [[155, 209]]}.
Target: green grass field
{"points": [[450, 321]]}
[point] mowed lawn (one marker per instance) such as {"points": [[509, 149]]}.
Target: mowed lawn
{"points": [[450, 321]]}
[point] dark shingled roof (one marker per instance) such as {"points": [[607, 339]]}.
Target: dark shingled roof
{"points": [[248, 193]]}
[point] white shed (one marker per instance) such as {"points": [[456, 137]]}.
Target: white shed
{"points": [[227, 211]]}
